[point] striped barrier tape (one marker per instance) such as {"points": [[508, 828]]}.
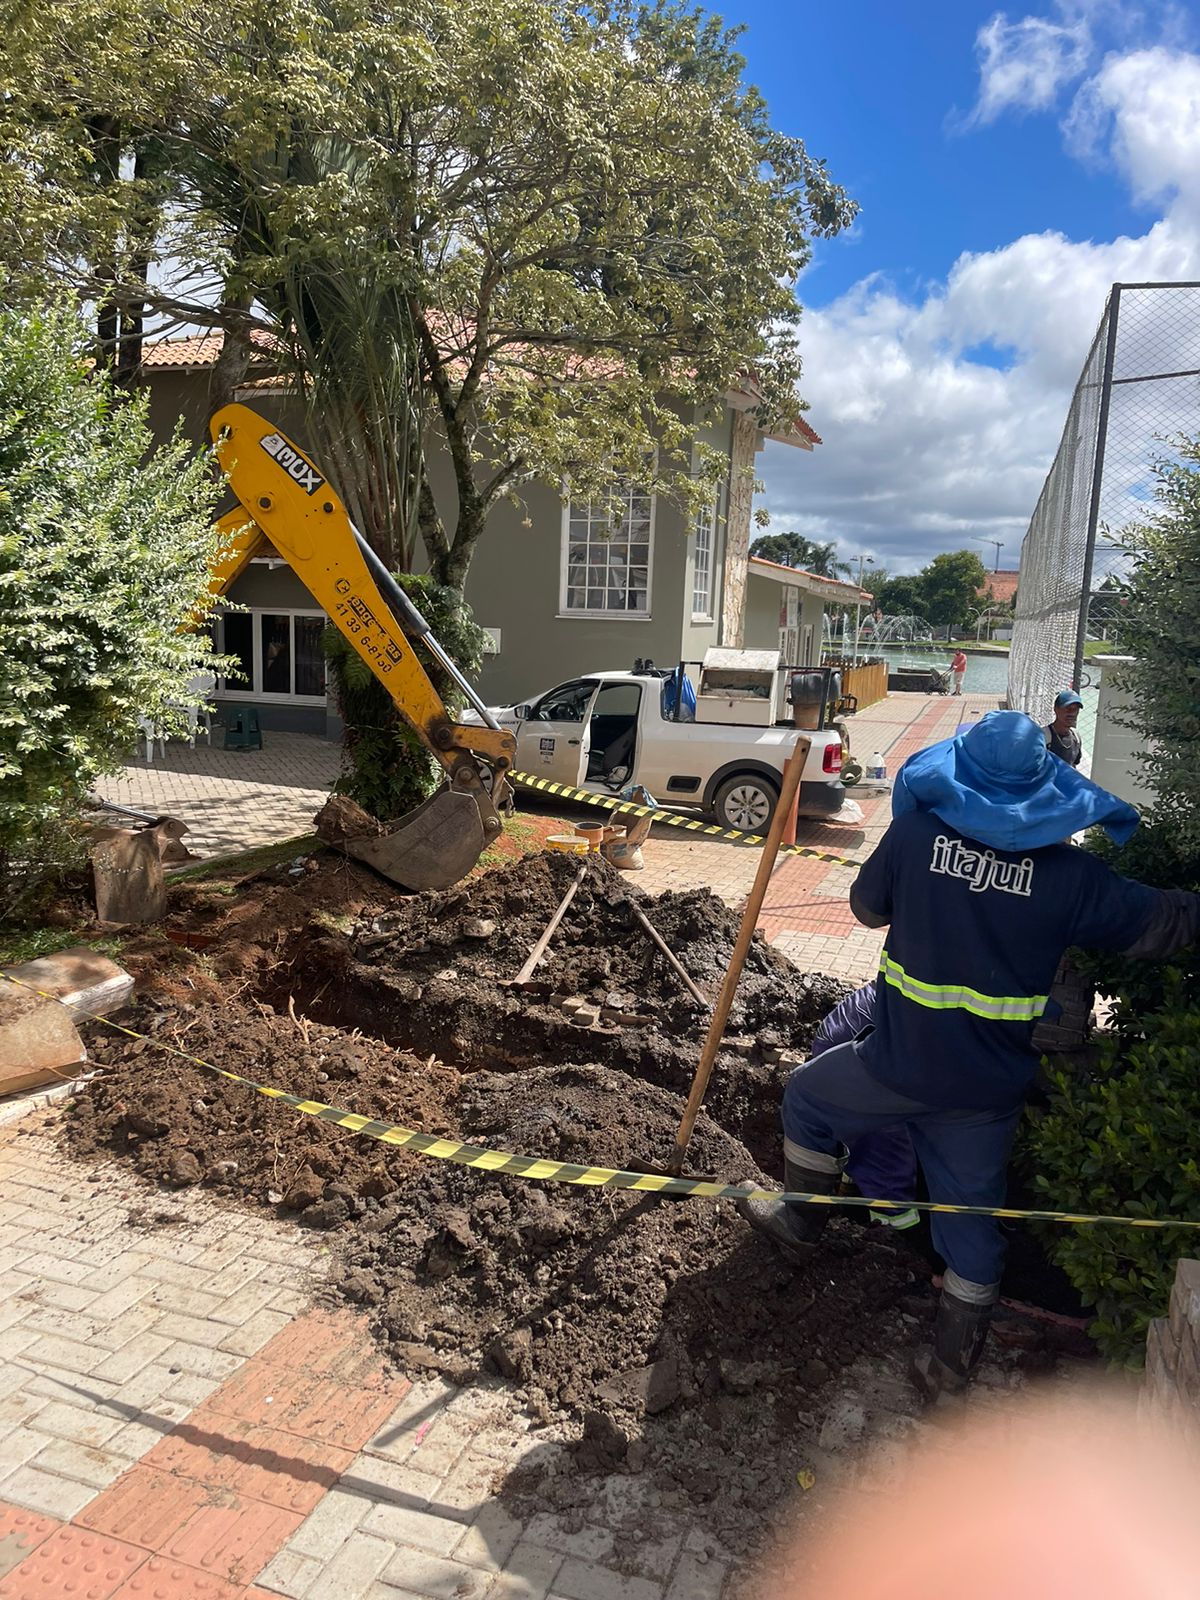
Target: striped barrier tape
{"points": [[485, 1160], [671, 819]]}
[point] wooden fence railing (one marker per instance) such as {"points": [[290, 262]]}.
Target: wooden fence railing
{"points": [[867, 681]]}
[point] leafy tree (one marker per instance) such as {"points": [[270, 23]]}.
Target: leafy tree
{"points": [[104, 560], [1123, 1138], [794, 550], [949, 585], [900, 597], [568, 226]]}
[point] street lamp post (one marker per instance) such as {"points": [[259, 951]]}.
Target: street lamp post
{"points": [[863, 560]]}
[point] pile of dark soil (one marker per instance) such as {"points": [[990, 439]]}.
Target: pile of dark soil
{"points": [[663, 1334], [676, 1335], [429, 974], [180, 1125]]}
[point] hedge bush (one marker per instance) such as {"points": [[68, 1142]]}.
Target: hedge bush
{"points": [[105, 548]]}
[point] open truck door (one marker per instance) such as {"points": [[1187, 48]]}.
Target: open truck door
{"points": [[554, 740]]}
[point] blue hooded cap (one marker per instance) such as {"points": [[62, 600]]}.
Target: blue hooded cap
{"points": [[999, 784]]}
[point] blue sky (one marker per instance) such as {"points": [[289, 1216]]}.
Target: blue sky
{"points": [[1010, 166]]}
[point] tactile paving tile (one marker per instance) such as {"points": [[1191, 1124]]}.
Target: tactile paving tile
{"points": [[304, 1403], [160, 1579], [144, 1507], [20, 1532], [233, 1539], [280, 1469], [73, 1562]]}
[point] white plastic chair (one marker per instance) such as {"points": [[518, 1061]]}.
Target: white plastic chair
{"points": [[151, 733]]}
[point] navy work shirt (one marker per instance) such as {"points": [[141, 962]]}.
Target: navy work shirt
{"points": [[975, 940]]}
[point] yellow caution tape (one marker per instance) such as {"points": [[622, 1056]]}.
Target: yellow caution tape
{"points": [[671, 819], [485, 1160]]}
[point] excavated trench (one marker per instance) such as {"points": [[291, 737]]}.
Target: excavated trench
{"points": [[660, 1335], [434, 976]]}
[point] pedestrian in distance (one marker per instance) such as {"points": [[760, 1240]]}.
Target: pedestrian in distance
{"points": [[1061, 739], [958, 670], [974, 847]]}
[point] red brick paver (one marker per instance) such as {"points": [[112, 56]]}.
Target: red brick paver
{"points": [[219, 1496]]}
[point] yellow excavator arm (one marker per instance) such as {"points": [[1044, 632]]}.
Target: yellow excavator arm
{"points": [[287, 500]]}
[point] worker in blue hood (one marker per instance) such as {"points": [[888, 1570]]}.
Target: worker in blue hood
{"points": [[980, 901]]}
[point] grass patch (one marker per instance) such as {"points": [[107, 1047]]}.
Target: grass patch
{"points": [[19, 944]]}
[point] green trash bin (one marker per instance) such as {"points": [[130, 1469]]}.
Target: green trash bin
{"points": [[244, 731]]}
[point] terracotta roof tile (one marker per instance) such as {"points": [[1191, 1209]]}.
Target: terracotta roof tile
{"points": [[1001, 585], [195, 349]]}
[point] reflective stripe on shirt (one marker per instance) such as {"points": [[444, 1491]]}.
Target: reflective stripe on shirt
{"points": [[957, 997]]}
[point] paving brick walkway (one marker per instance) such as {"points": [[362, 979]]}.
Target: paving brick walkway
{"points": [[232, 800], [179, 1422]]}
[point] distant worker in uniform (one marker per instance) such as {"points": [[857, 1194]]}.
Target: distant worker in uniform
{"points": [[958, 670], [981, 900], [1061, 739]]}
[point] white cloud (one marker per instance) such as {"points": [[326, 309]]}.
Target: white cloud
{"points": [[1023, 65], [927, 443], [1144, 109]]}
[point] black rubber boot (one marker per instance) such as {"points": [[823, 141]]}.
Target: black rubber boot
{"points": [[959, 1335], [795, 1228]]}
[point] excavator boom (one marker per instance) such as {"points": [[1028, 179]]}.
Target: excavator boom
{"points": [[288, 501]]}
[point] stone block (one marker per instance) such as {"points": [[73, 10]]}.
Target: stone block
{"points": [[45, 1492], [357, 1564], [39, 1043], [490, 1540], [84, 981], [1162, 1351], [1185, 1299], [584, 1580], [697, 1580], [401, 1525]]}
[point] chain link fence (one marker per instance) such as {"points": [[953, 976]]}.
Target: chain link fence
{"points": [[1139, 390]]}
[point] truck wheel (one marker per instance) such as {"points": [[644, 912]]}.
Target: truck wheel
{"points": [[746, 803]]}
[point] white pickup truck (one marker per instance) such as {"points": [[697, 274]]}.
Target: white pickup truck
{"points": [[606, 730]]}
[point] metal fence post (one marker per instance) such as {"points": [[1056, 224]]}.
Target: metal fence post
{"points": [[1089, 553]]}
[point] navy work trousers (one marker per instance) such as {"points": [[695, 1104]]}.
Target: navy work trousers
{"points": [[832, 1100]]}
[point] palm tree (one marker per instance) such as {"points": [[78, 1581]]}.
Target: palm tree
{"points": [[794, 550]]}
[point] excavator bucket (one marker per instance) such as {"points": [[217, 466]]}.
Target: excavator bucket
{"points": [[432, 847]]}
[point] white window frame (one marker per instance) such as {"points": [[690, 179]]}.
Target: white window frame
{"points": [[707, 517], [225, 690], [627, 487]]}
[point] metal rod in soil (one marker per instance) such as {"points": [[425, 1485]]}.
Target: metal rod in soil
{"points": [[758, 893], [539, 949], [673, 960]]}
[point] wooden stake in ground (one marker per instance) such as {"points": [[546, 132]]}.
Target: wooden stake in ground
{"points": [[716, 1028], [539, 949]]}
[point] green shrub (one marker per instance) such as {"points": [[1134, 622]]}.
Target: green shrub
{"points": [[388, 770], [105, 547], [1121, 1139], [1121, 1142]]}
